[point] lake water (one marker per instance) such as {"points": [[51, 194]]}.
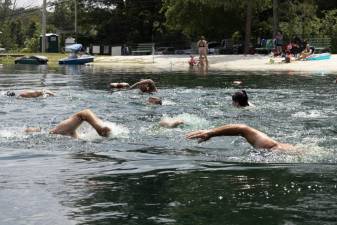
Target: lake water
{"points": [[145, 174]]}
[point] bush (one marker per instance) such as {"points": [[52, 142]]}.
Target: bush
{"points": [[32, 45]]}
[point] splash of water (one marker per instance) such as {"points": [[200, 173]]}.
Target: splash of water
{"points": [[86, 132]]}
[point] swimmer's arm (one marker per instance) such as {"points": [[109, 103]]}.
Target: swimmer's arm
{"points": [[253, 136], [47, 92], [146, 81], [205, 135]]}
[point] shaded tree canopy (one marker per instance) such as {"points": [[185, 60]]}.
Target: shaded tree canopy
{"points": [[169, 22]]}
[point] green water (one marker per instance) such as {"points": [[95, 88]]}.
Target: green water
{"points": [[145, 174]]}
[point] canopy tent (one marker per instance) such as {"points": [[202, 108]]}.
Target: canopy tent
{"points": [[73, 48]]}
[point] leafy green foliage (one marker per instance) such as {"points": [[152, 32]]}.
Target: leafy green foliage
{"points": [[168, 22]]}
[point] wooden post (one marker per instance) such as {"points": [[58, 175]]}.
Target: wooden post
{"points": [[249, 16], [275, 17], [44, 24]]}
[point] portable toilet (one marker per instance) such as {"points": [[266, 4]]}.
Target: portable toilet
{"points": [[52, 42]]}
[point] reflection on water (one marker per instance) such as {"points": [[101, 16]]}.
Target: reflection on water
{"points": [[146, 174]]}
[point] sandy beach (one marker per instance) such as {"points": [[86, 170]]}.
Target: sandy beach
{"points": [[216, 62]]}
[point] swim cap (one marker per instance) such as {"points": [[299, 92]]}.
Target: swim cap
{"points": [[10, 93], [241, 98]]}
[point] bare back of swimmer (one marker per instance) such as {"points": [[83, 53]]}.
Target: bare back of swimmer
{"points": [[31, 93]]}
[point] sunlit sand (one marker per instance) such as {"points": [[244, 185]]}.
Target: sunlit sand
{"points": [[217, 62]]}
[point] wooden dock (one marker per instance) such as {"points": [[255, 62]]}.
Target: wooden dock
{"points": [[11, 55]]}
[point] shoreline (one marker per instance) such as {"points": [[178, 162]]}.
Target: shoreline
{"points": [[216, 62]]}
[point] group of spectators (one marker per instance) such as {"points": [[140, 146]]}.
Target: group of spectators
{"points": [[296, 48]]}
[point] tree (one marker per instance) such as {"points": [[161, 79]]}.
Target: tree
{"points": [[275, 16], [216, 18], [299, 18]]}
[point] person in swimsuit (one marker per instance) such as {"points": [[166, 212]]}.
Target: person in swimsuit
{"points": [[203, 49], [254, 137]]}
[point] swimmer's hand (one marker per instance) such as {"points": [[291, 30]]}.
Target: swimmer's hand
{"points": [[32, 129], [202, 135], [104, 131], [48, 93]]}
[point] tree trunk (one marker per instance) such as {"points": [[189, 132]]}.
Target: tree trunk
{"points": [[275, 17], [249, 18]]}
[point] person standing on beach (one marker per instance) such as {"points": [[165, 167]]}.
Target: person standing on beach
{"points": [[203, 49]]}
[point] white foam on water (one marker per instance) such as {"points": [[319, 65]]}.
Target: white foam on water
{"points": [[191, 120], [86, 132], [13, 132], [301, 153], [168, 102], [309, 114]]}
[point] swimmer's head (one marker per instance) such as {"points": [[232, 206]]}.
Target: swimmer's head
{"points": [[154, 101], [10, 93], [147, 87], [240, 99]]}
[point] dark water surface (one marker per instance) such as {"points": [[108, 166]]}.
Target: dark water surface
{"points": [[144, 174]]}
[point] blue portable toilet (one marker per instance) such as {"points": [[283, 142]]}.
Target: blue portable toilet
{"points": [[52, 42]]}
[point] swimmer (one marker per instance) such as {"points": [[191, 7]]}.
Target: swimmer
{"points": [[69, 126], [171, 122], [154, 101], [240, 99], [145, 86], [31, 93], [254, 137]]}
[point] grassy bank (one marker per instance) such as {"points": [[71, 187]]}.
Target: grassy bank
{"points": [[53, 58]]}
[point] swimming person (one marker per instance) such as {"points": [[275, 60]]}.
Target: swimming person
{"points": [[31, 93], [69, 126], [254, 137], [240, 99], [145, 86]]}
